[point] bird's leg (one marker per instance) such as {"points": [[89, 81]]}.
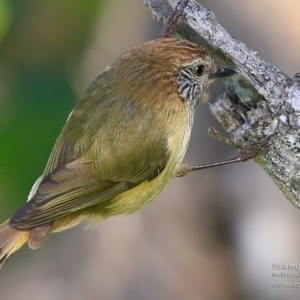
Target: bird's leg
{"points": [[248, 153]]}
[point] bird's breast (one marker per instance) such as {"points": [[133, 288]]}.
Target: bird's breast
{"points": [[178, 135]]}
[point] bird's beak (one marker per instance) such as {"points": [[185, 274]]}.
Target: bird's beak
{"points": [[222, 72]]}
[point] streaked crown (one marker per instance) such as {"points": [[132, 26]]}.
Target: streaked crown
{"points": [[179, 65]]}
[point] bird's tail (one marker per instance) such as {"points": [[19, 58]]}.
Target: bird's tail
{"points": [[11, 240]]}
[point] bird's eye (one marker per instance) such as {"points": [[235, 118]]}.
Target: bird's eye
{"points": [[198, 70]]}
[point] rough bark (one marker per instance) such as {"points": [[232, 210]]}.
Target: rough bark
{"points": [[260, 102]]}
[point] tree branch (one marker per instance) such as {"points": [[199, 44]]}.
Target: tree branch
{"points": [[260, 102]]}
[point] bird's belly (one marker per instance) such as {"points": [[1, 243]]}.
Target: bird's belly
{"points": [[137, 197]]}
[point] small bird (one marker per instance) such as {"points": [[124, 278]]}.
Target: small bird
{"points": [[123, 142]]}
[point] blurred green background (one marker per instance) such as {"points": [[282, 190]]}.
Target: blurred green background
{"points": [[42, 43], [211, 235]]}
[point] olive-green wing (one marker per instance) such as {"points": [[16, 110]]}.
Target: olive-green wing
{"points": [[106, 147], [72, 186]]}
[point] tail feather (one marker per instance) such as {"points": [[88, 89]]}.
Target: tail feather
{"points": [[11, 240]]}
